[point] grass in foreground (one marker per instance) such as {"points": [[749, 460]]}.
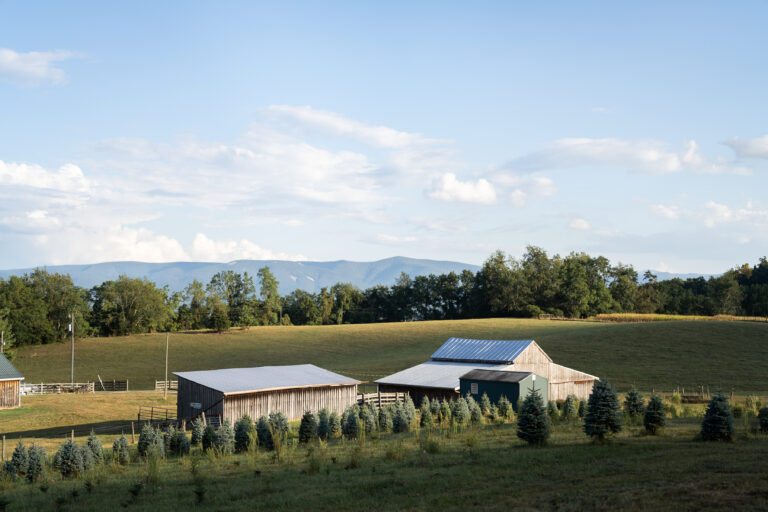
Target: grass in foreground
{"points": [[484, 468], [660, 355]]}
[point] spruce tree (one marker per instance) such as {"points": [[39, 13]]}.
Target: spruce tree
{"points": [[225, 438], [762, 417], [505, 408], [308, 428], [485, 404], [570, 410], [351, 427], [604, 415], [37, 461], [368, 420], [94, 444], [334, 424], [425, 420], [400, 422], [264, 433], [70, 459], [633, 405], [385, 419], [197, 431], [461, 412], [20, 458], [280, 425], [182, 445], [209, 438], [425, 403], [445, 412], [582, 408], [718, 420], [434, 406], [243, 428], [552, 411], [654, 417], [120, 451], [533, 422], [323, 424], [475, 414], [409, 409]]}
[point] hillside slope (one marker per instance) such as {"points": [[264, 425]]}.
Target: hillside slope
{"points": [[662, 355]]}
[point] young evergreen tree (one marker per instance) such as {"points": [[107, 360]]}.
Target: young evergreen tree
{"points": [[385, 419], [762, 417], [20, 458], [570, 410], [634, 405], [308, 428], [70, 459], [197, 431], [475, 414], [225, 438], [434, 406], [533, 422], [280, 425], [425, 419], [718, 420], [94, 444], [485, 404], [654, 417], [368, 420], [37, 461], [209, 438], [445, 412], [582, 408], [425, 404], [401, 423], [552, 411], [505, 408], [120, 451], [88, 461], [351, 427], [264, 433], [243, 428], [409, 409], [334, 424], [461, 412], [323, 424], [604, 415]]}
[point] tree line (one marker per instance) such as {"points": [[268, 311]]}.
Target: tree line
{"points": [[37, 307]]}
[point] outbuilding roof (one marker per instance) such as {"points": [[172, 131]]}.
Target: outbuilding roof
{"points": [[480, 351], [265, 378], [435, 374], [495, 375], [8, 371]]}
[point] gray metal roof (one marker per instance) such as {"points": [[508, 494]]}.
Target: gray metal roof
{"points": [[435, 374], [262, 378], [480, 351], [8, 371], [495, 375]]}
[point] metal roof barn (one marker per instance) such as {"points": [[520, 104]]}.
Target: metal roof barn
{"points": [[10, 384], [481, 351], [231, 393]]}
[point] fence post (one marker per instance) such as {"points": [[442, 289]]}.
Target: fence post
{"points": [[204, 422], [133, 433], [126, 385], [3, 448], [378, 392], [73, 434]]}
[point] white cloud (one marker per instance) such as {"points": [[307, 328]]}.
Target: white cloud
{"points": [[671, 212], [755, 148], [580, 225], [448, 188], [521, 188], [751, 215], [35, 221], [392, 239], [33, 68], [646, 157], [205, 249], [68, 178]]}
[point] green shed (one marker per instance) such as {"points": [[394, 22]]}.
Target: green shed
{"points": [[513, 385]]}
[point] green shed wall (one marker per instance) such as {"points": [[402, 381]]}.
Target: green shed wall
{"points": [[512, 390]]}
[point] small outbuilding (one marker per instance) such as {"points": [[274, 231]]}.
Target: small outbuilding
{"points": [[233, 392], [498, 383], [10, 384]]}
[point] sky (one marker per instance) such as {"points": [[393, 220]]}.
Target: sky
{"points": [[217, 131]]}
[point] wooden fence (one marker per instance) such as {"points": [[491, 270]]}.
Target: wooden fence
{"points": [[173, 385], [153, 414], [112, 385], [380, 398], [53, 388]]}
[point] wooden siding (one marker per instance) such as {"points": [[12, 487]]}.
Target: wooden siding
{"points": [[9, 394], [292, 402], [418, 393], [563, 381], [210, 399], [561, 390]]}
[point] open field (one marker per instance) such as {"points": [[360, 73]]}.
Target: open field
{"points": [[484, 467], [653, 317], [659, 355]]}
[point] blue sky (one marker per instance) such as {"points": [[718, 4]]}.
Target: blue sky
{"points": [[360, 130]]}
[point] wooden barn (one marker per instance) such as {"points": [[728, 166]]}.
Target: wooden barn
{"points": [[439, 377], [10, 384], [291, 390]]}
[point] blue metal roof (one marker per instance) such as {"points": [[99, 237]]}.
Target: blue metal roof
{"points": [[435, 374], [480, 351], [8, 371]]}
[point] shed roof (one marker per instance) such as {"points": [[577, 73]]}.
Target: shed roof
{"points": [[480, 351], [495, 375], [265, 378], [435, 374], [8, 371]]}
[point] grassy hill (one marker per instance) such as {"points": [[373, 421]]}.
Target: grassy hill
{"points": [[655, 354]]}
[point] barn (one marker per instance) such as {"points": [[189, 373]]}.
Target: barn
{"points": [[439, 377], [10, 384], [292, 390], [497, 383]]}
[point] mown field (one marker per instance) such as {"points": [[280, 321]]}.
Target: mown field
{"points": [[650, 355], [484, 467]]}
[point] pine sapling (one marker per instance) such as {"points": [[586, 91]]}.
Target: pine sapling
{"points": [[718, 420], [604, 416], [654, 417], [533, 421]]}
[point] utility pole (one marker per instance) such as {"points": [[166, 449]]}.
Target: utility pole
{"points": [[165, 393], [2, 341], [72, 330]]}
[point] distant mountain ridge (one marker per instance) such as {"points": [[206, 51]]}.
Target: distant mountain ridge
{"points": [[310, 276]]}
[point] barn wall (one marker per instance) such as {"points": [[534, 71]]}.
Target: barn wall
{"points": [[561, 390], [192, 392], [418, 393], [9, 394], [291, 402]]}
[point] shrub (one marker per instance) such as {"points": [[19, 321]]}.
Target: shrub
{"points": [[718, 420], [425, 404], [197, 431], [485, 404], [385, 419], [570, 410], [676, 398], [9, 471], [243, 429], [552, 411], [461, 412], [475, 414], [88, 460], [445, 412], [654, 418], [334, 424], [762, 417], [604, 415], [470, 401], [120, 451], [20, 458], [181, 444], [323, 424], [505, 408], [264, 433], [493, 413], [94, 445], [169, 439], [279, 424], [400, 422], [752, 402], [633, 404], [209, 438], [70, 459], [533, 422], [308, 428], [37, 461]]}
